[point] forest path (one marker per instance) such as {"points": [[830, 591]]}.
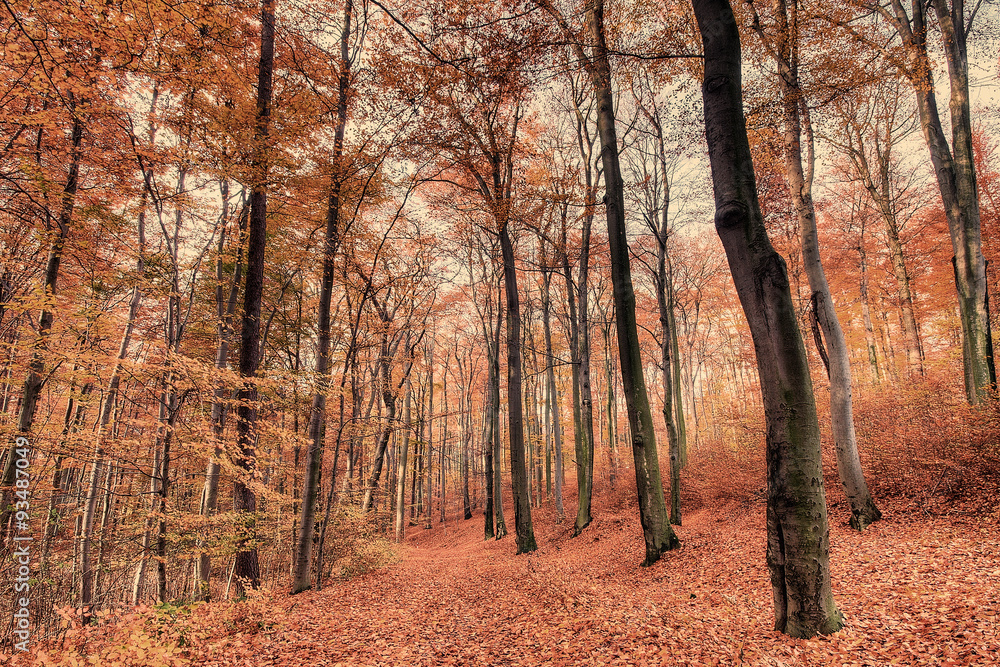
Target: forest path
{"points": [[925, 592]]}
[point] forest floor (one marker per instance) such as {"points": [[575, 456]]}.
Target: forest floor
{"points": [[918, 588]]}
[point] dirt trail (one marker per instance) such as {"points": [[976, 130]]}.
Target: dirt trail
{"points": [[913, 592]]}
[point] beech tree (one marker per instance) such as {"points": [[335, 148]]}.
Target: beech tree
{"points": [[954, 162], [247, 568], [798, 539], [783, 43], [657, 533]]}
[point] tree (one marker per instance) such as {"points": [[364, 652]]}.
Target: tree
{"points": [[246, 569], [798, 535], [657, 533], [954, 165], [783, 44], [475, 111], [317, 419], [870, 133]]}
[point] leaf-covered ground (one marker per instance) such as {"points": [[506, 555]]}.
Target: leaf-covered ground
{"points": [[915, 590]]}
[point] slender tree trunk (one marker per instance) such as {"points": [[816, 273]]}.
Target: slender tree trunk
{"points": [[799, 171], [404, 451], [552, 392], [666, 365], [225, 311], [317, 419], [444, 435], [866, 314], [33, 382], [466, 434], [881, 194], [955, 170], [658, 534], [798, 534], [429, 446], [173, 408], [497, 490], [247, 568], [676, 353], [103, 430]]}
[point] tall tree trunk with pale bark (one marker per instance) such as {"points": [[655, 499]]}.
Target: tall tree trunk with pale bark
{"points": [[954, 168], [783, 46]]}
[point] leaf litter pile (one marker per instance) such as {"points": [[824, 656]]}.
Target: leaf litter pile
{"points": [[915, 590]]}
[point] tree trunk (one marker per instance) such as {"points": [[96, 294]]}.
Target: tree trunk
{"points": [[497, 490], [658, 534], [866, 314], [553, 394], [33, 382], [880, 190], [317, 418], [515, 420], [247, 568], [429, 443], [225, 311], [956, 176], [798, 535], [404, 451], [799, 174]]}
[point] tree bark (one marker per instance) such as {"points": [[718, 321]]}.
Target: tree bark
{"points": [[33, 382], [784, 49], [553, 394], [798, 535], [658, 535], [954, 168], [880, 190], [317, 419], [404, 451], [515, 418], [247, 568], [225, 311]]}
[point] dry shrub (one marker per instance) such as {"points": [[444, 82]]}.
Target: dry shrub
{"points": [[727, 467], [355, 542], [921, 440]]}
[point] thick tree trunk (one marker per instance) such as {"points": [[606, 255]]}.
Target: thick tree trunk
{"points": [[798, 535], [518, 473]]}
